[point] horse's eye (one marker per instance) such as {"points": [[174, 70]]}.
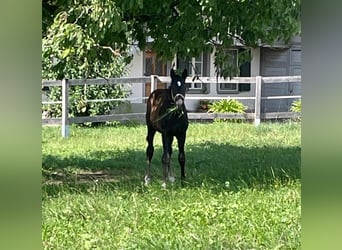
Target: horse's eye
{"points": [[179, 83]]}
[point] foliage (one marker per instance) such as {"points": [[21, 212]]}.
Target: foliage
{"points": [[204, 105], [81, 34], [83, 40], [227, 106], [93, 195], [78, 42], [78, 96], [172, 112], [296, 106]]}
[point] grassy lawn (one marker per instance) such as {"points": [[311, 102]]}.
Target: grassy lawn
{"points": [[242, 190]]}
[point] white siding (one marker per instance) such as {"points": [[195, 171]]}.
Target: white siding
{"points": [[255, 63], [280, 62], [265, 62], [135, 69]]}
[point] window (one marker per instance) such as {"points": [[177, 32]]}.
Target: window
{"points": [[244, 71], [227, 87], [153, 65], [196, 66]]}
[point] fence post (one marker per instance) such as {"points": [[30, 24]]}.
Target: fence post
{"points": [[152, 83], [257, 100], [65, 108]]}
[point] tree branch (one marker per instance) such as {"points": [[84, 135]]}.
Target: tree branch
{"points": [[115, 52], [242, 41]]}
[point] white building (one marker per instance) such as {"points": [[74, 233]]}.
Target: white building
{"points": [[279, 59]]}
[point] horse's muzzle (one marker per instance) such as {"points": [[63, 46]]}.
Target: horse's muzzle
{"points": [[179, 100]]}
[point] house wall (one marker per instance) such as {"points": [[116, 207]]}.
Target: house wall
{"points": [[213, 90], [135, 69], [280, 61], [255, 63], [265, 62]]}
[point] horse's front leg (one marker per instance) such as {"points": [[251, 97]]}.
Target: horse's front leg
{"points": [[166, 158], [171, 175]]}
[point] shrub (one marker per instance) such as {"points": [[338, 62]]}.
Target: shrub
{"points": [[204, 105], [67, 55], [78, 96], [296, 106], [227, 106]]}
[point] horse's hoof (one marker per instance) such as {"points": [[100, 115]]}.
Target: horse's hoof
{"points": [[163, 184], [147, 180], [172, 179]]}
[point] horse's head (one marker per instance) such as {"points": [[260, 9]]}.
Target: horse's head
{"points": [[178, 87]]}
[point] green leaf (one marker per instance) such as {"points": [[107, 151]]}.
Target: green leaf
{"points": [[183, 27], [84, 109], [83, 66], [66, 52]]}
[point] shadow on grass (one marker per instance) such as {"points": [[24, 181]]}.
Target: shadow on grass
{"points": [[237, 167], [217, 165]]}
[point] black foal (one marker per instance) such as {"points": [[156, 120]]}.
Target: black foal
{"points": [[166, 113]]}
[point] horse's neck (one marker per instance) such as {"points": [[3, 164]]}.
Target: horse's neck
{"points": [[169, 94]]}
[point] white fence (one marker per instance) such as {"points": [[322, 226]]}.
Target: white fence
{"points": [[65, 121]]}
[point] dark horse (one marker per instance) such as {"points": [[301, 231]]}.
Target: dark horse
{"points": [[166, 114]]}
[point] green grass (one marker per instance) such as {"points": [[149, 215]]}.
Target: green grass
{"points": [[242, 190]]}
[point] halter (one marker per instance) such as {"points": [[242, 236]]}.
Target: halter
{"points": [[174, 97]]}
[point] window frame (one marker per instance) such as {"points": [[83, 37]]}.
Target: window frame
{"points": [[196, 86], [229, 90]]}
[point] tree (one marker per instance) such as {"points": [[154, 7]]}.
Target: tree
{"points": [[86, 38], [79, 37], [78, 42]]}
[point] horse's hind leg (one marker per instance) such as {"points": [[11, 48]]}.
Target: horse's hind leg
{"points": [[149, 152]]}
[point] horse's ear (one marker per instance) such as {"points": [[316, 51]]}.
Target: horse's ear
{"points": [[172, 73], [185, 74]]}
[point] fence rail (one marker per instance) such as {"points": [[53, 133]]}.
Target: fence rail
{"points": [[65, 121]]}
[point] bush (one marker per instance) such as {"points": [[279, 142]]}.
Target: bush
{"points": [[296, 106], [227, 106], [69, 53], [204, 105], [78, 96]]}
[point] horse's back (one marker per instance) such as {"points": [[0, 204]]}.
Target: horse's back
{"points": [[159, 93], [157, 103]]}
